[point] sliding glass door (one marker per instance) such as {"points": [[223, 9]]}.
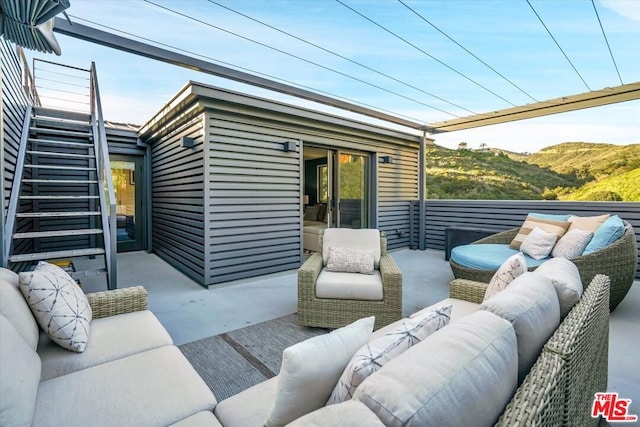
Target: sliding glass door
{"points": [[353, 190]]}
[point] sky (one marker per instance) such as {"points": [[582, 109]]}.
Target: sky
{"points": [[426, 60]]}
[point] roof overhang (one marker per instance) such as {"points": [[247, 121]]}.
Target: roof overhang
{"points": [[596, 98]]}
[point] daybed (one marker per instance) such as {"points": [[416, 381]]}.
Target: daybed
{"points": [[130, 373], [617, 261]]}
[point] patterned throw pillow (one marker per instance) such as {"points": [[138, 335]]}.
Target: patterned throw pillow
{"points": [[372, 356], [513, 267], [58, 304], [351, 260], [538, 244], [550, 226], [572, 244]]}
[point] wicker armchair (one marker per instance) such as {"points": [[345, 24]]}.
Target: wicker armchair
{"points": [[618, 261], [334, 313]]}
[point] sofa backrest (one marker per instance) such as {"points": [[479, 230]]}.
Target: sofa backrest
{"points": [[351, 238], [473, 361], [14, 307], [19, 377]]}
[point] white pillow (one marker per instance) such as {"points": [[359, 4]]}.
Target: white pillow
{"points": [[539, 243], [566, 279], [373, 355], [58, 304], [351, 260], [572, 244], [514, 266], [310, 371]]}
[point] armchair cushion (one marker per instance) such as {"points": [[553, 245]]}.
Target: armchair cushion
{"points": [[349, 285], [565, 277], [488, 256], [351, 238], [15, 308], [587, 223], [538, 244], [572, 244], [610, 231]]}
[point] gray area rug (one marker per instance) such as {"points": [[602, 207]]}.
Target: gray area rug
{"points": [[234, 361]]}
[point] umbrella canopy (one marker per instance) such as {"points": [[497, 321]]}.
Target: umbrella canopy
{"points": [[29, 23]]}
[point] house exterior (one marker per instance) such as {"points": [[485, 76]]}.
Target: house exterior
{"points": [[228, 180]]}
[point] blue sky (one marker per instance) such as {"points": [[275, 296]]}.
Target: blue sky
{"points": [[507, 35]]}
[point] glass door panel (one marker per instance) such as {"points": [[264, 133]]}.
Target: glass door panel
{"points": [[124, 172], [353, 198]]}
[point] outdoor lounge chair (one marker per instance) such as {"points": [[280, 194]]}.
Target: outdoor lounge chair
{"points": [[344, 297], [618, 261]]}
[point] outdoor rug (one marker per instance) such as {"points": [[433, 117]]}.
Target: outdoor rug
{"points": [[234, 361]]}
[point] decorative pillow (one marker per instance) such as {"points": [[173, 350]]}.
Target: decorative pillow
{"points": [[587, 223], [610, 231], [514, 266], [350, 260], [311, 213], [373, 355], [310, 371], [550, 226], [572, 244], [538, 244], [565, 277], [58, 304]]}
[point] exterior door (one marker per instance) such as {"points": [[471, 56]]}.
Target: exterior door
{"points": [[352, 176], [126, 172]]}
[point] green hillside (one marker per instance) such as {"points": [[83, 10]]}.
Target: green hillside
{"points": [[568, 171]]}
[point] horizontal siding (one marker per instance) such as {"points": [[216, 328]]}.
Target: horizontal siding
{"points": [[124, 141], [177, 194], [14, 104], [504, 215]]}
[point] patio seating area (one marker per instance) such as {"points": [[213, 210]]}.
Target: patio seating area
{"points": [[190, 313]]}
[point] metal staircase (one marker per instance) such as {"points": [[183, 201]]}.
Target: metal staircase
{"points": [[62, 200]]}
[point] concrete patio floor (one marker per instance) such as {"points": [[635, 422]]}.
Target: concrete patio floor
{"points": [[190, 312]]}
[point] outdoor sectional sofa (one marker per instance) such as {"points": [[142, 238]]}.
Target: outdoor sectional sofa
{"points": [[471, 369]]}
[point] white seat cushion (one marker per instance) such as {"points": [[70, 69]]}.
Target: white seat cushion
{"points": [[351, 238], [157, 387], [250, 407], [331, 284], [565, 277], [203, 418], [110, 338], [440, 381], [348, 414]]}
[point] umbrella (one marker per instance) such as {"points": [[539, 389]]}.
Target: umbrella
{"points": [[29, 23]]}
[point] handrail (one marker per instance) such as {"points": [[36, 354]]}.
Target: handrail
{"points": [[104, 174], [16, 185], [29, 82]]}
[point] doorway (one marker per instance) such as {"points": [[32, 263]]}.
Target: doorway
{"points": [[127, 173], [339, 182]]}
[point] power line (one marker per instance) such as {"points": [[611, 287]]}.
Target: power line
{"points": [[238, 67], [340, 56], [607, 41], [298, 57], [557, 44], [465, 49], [426, 53]]}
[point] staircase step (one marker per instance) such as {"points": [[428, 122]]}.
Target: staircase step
{"points": [[68, 133], [57, 233], [61, 181], [57, 154], [55, 113], [76, 275], [63, 123], [56, 214], [55, 142], [68, 168], [58, 197], [56, 254]]}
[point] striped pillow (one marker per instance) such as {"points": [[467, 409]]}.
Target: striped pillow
{"points": [[556, 227]]}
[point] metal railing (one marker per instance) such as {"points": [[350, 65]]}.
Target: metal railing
{"points": [[105, 181], [28, 81], [61, 86]]}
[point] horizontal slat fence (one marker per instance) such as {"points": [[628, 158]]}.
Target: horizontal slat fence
{"points": [[507, 214]]}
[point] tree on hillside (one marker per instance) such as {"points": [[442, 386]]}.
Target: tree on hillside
{"points": [[463, 146], [483, 146]]}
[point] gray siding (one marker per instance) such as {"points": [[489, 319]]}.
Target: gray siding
{"points": [[255, 187], [510, 214], [177, 199], [124, 141], [14, 104]]}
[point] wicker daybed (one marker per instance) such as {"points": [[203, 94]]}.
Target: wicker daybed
{"points": [[618, 261]]}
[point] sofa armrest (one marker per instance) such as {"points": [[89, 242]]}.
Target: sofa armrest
{"points": [[467, 290], [307, 275], [118, 301]]}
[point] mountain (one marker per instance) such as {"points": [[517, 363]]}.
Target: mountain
{"points": [[568, 171]]}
